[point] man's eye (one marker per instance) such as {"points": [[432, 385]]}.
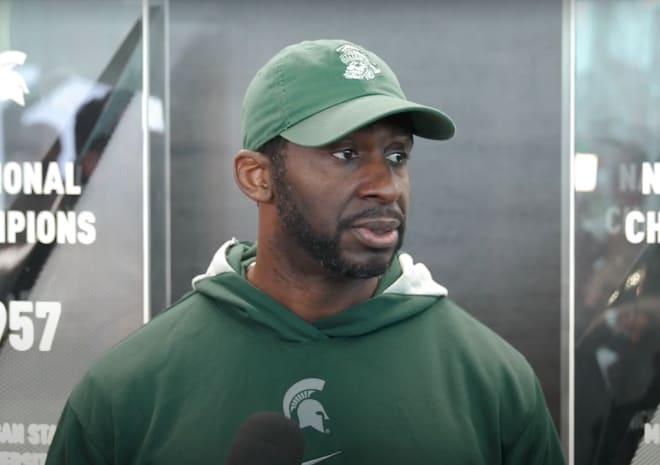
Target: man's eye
{"points": [[397, 158], [345, 154]]}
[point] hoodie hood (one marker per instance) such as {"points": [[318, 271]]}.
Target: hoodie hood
{"points": [[405, 290]]}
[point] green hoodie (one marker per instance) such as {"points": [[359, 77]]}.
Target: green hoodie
{"points": [[405, 377]]}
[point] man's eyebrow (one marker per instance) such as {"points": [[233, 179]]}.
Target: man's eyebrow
{"points": [[338, 143], [397, 130]]}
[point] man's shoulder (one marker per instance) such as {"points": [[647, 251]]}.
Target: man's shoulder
{"points": [[125, 386], [487, 367], [479, 346], [159, 343]]}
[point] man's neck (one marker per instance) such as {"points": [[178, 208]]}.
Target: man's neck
{"points": [[310, 296]]}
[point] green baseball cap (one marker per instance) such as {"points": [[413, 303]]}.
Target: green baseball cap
{"points": [[315, 92]]}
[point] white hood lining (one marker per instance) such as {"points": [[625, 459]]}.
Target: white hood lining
{"points": [[415, 278]]}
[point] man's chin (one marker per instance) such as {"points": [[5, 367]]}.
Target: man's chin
{"points": [[376, 266]]}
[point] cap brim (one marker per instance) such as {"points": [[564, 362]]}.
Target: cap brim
{"points": [[335, 122]]}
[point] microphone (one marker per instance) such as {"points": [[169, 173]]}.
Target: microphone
{"points": [[266, 438]]}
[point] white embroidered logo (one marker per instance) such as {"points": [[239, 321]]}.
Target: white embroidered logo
{"points": [[310, 412], [358, 64], [12, 84]]}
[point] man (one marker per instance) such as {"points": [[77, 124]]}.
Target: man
{"points": [[322, 320]]}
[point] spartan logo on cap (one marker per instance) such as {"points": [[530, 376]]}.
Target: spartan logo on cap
{"points": [[310, 412], [358, 64]]}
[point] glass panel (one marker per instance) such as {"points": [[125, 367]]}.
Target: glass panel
{"points": [[72, 199], [617, 225]]}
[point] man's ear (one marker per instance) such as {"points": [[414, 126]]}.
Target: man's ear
{"points": [[251, 172]]}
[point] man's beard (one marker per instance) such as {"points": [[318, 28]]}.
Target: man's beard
{"points": [[326, 248]]}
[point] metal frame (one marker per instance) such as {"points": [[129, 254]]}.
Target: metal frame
{"points": [[568, 232]]}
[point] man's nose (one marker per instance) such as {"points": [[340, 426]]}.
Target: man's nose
{"points": [[379, 181]]}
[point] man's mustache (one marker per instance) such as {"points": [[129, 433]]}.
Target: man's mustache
{"points": [[373, 212]]}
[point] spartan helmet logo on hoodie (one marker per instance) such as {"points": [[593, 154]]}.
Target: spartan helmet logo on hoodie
{"points": [[310, 412]]}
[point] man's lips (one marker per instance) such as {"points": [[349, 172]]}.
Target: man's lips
{"points": [[377, 225], [377, 233]]}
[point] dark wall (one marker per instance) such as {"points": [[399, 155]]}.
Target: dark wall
{"points": [[485, 214]]}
